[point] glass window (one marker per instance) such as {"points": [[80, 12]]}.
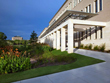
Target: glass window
{"points": [[96, 6], [89, 8], [100, 5], [86, 9], [86, 33], [101, 32], [90, 33]]}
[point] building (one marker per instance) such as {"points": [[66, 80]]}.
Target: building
{"points": [[79, 22], [17, 38]]}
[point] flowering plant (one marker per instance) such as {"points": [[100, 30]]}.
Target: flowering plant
{"points": [[12, 61]]}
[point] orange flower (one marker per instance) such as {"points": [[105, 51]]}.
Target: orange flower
{"points": [[17, 55], [16, 52], [3, 51], [16, 49], [8, 52], [11, 50], [25, 52]]}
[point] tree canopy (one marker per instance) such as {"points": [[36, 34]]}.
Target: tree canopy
{"points": [[2, 36], [33, 37], [3, 39]]}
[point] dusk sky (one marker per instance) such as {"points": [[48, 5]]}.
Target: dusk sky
{"points": [[21, 17]]}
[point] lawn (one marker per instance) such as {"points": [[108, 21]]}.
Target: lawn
{"points": [[81, 61]]}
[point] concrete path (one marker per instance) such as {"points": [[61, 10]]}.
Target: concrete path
{"points": [[98, 73]]}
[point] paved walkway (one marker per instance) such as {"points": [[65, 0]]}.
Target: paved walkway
{"points": [[98, 73]]}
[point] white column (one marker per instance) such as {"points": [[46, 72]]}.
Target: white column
{"points": [[63, 40], [58, 40], [70, 37], [88, 9], [94, 7], [54, 40], [48, 39], [92, 33], [44, 40]]}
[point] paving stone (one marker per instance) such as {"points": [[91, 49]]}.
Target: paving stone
{"points": [[42, 79], [77, 80], [61, 77]]}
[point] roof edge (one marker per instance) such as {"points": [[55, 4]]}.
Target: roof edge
{"points": [[58, 10]]}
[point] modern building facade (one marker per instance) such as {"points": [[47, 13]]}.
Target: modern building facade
{"points": [[79, 22], [17, 38]]}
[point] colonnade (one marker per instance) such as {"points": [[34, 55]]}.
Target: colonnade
{"points": [[57, 37]]}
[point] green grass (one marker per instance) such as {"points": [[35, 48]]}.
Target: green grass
{"points": [[81, 62]]}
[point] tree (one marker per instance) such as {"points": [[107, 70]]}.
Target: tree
{"points": [[2, 36], [3, 39], [33, 38]]}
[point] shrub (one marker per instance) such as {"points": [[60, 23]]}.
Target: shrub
{"points": [[96, 47], [102, 47], [90, 46], [0, 51], [86, 46], [82, 45]]}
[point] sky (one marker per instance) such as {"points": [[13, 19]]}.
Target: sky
{"points": [[21, 17]]}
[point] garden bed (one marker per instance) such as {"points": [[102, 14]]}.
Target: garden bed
{"points": [[51, 64], [48, 61], [80, 62]]}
